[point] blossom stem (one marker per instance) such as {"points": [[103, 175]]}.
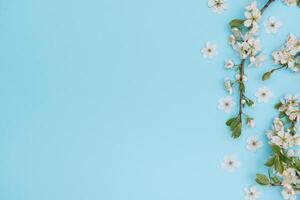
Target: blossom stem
{"points": [[266, 6], [276, 184], [241, 89], [278, 68]]}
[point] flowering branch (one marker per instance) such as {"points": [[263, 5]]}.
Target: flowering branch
{"points": [[284, 162], [244, 41], [288, 57]]}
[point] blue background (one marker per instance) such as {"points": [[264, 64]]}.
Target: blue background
{"points": [[112, 100]]}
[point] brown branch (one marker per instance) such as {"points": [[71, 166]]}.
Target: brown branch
{"points": [[242, 73], [276, 184], [266, 6], [278, 68]]}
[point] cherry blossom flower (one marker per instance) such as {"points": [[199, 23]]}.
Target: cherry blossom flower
{"points": [[252, 15], [272, 25], [289, 193], [290, 2], [263, 95], [251, 193], [226, 104], [253, 143], [209, 51], [218, 6], [229, 64], [230, 163]]}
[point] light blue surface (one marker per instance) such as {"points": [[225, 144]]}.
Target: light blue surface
{"points": [[112, 100]]}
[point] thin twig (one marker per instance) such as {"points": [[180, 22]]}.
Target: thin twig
{"points": [[266, 6], [278, 68], [242, 73]]}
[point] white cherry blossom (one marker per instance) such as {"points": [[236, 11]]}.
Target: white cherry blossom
{"points": [[253, 143], [230, 163], [289, 193], [272, 25], [218, 6], [226, 104], [252, 15], [263, 94], [290, 2], [251, 193], [209, 51]]}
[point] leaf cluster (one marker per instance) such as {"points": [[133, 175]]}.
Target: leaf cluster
{"points": [[235, 125]]}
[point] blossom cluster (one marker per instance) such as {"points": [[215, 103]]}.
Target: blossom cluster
{"points": [[243, 38], [290, 107], [288, 57], [283, 138], [291, 2]]}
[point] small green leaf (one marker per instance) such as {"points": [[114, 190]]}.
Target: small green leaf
{"points": [[237, 131], [262, 179], [297, 65], [270, 162], [242, 87], [284, 158], [229, 122], [278, 105], [297, 164], [276, 149], [266, 76], [298, 3], [237, 23], [278, 165], [293, 130], [249, 102], [234, 124], [281, 115], [275, 179]]}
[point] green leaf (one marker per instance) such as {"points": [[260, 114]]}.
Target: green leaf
{"points": [[249, 102], [262, 179], [275, 179], [237, 23], [297, 164], [278, 105], [297, 65], [278, 165], [234, 124], [276, 149], [270, 162], [266, 76], [293, 130], [230, 121], [284, 158], [242, 87], [237, 131], [298, 3], [281, 115]]}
